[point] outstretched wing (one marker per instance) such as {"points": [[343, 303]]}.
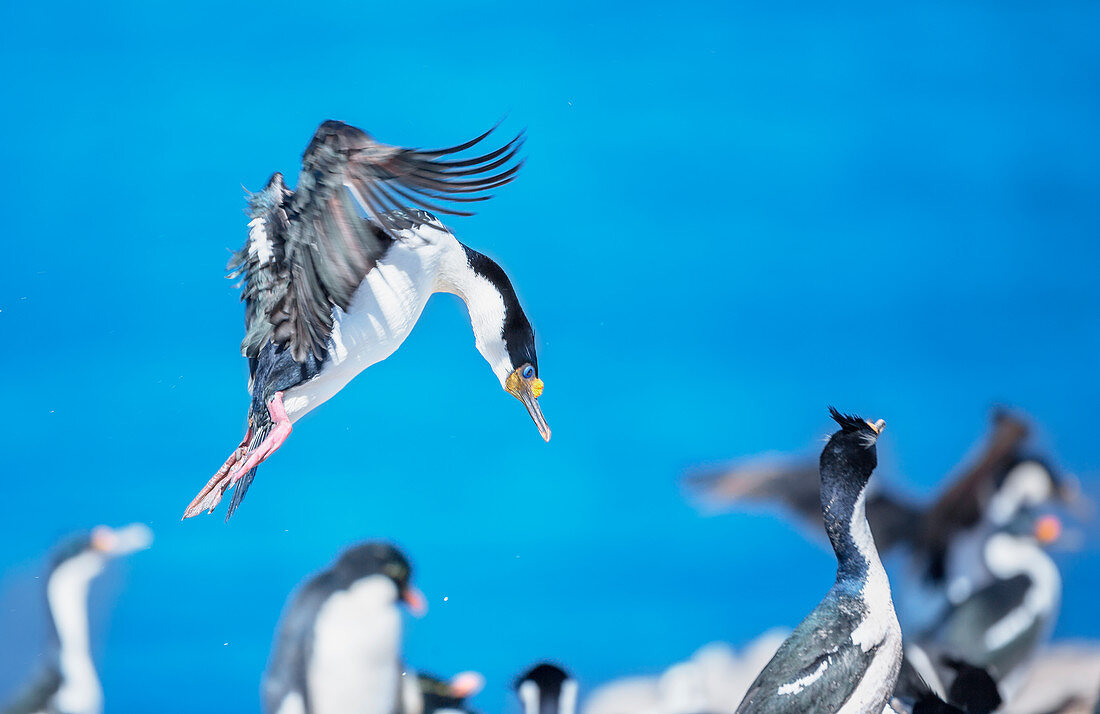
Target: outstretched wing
{"points": [[309, 250]]}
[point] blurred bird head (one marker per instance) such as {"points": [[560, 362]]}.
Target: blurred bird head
{"points": [[1028, 484], [547, 689], [382, 559], [77, 561], [103, 543], [853, 448]]}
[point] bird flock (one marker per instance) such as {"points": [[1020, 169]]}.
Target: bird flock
{"points": [[939, 606]]}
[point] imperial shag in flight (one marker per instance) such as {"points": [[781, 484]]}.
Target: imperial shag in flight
{"points": [[335, 275]]}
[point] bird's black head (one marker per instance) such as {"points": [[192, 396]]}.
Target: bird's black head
{"points": [[103, 542], [380, 559], [510, 350], [851, 452], [546, 689]]}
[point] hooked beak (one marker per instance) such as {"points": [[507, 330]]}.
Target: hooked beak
{"points": [[531, 402], [414, 600], [878, 426], [122, 541]]}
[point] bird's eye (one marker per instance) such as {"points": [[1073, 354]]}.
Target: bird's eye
{"points": [[528, 372]]}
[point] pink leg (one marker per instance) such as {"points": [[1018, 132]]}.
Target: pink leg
{"points": [[279, 432], [211, 493]]}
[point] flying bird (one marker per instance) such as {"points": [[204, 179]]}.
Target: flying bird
{"points": [[336, 272]]}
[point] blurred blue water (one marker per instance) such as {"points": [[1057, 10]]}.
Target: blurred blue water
{"points": [[732, 216]]}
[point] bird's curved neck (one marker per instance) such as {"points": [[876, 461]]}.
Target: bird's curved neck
{"points": [[489, 298], [843, 506], [67, 596]]}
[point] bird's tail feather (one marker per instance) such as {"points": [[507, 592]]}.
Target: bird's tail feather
{"points": [[260, 431]]}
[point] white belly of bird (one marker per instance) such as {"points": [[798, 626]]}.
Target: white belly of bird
{"points": [[355, 667], [381, 314]]}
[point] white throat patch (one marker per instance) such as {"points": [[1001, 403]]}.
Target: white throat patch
{"points": [[67, 594]]}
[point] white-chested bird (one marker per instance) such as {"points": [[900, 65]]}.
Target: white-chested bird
{"points": [[844, 658], [336, 273]]}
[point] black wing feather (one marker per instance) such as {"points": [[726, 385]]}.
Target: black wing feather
{"points": [[321, 247]]}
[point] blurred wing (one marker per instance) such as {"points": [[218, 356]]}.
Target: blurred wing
{"points": [[892, 521], [794, 484], [309, 250]]}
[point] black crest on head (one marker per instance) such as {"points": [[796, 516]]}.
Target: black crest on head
{"points": [[850, 422]]}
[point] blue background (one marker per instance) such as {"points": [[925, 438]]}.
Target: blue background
{"points": [[732, 216]]}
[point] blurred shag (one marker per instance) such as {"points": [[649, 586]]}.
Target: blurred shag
{"points": [[337, 271], [547, 689], [429, 694], [1001, 625], [845, 656], [338, 650], [69, 683]]}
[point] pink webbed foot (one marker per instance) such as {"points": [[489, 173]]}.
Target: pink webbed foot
{"points": [[244, 459], [211, 494], [279, 432]]}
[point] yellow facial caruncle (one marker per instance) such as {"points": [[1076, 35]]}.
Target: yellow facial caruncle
{"points": [[526, 387]]}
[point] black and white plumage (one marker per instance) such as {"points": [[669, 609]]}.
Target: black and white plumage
{"points": [[338, 650], [68, 683], [336, 273], [547, 689], [845, 656], [1001, 625]]}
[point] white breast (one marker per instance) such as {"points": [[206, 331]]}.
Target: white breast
{"points": [[355, 667], [381, 314], [879, 627]]}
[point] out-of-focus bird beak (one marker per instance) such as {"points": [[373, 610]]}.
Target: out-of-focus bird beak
{"points": [[1048, 529], [466, 684], [122, 541], [879, 426], [414, 600]]}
